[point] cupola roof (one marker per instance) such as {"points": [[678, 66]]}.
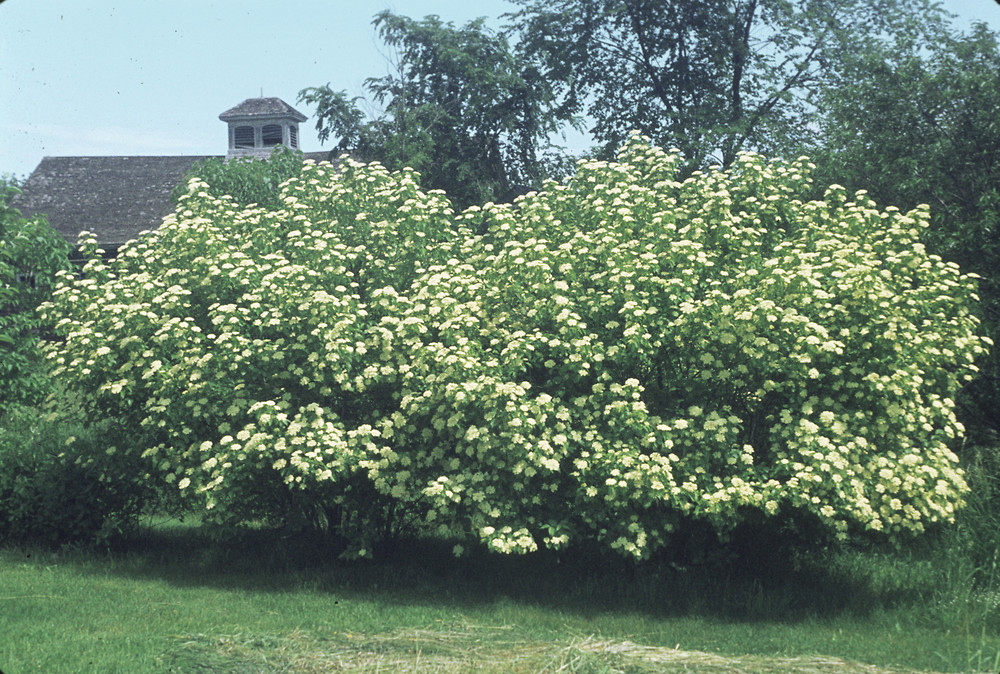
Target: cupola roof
{"points": [[256, 108]]}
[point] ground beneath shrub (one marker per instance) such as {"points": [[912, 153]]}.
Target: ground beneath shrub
{"points": [[468, 649]]}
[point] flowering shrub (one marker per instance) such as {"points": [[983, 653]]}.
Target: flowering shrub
{"points": [[617, 354]]}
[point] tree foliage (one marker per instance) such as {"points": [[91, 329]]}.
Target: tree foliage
{"points": [[31, 252], [248, 180], [618, 355], [459, 107], [710, 77], [912, 125]]}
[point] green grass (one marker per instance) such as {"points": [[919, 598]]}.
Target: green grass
{"points": [[176, 600]]}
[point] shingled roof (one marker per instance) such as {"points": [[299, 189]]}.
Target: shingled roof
{"points": [[114, 197], [262, 107]]}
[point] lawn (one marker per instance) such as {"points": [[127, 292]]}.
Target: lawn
{"points": [[176, 599]]}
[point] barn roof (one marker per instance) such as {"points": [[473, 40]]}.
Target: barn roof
{"points": [[116, 198]]}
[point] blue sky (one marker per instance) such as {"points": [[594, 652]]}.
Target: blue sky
{"points": [[150, 78]]}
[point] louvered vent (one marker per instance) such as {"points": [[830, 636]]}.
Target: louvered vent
{"points": [[243, 136]]}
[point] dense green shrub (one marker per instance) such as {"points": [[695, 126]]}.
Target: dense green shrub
{"points": [[30, 254], [977, 536], [58, 483], [617, 355]]}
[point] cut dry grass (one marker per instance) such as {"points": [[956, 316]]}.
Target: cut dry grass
{"points": [[660, 659], [471, 648]]}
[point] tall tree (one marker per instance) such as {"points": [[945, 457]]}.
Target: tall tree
{"points": [[710, 77], [918, 124], [458, 106]]}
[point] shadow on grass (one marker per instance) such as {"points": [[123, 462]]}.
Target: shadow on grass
{"points": [[769, 583]]}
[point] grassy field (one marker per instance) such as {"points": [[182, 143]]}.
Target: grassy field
{"points": [[175, 599]]}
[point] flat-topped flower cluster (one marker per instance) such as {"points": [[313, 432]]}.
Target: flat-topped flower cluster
{"points": [[610, 356]]}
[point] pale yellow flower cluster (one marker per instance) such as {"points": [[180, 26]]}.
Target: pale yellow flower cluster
{"points": [[616, 353]]}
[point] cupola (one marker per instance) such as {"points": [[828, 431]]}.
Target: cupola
{"points": [[257, 125]]}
